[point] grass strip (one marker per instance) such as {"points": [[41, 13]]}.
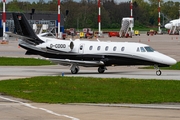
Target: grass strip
{"points": [[58, 89], [10, 61]]}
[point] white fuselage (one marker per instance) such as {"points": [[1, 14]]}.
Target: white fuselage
{"points": [[127, 49], [173, 23]]}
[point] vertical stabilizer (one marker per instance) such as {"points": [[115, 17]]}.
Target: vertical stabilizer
{"points": [[23, 28]]}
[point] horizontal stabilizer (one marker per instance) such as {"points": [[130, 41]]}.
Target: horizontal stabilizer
{"points": [[30, 47], [27, 39]]}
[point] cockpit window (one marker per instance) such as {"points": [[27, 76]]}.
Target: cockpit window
{"points": [[149, 49], [138, 49], [142, 49]]}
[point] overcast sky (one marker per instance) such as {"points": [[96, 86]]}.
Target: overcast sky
{"points": [[80, 0]]}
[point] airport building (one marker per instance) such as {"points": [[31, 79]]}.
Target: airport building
{"points": [[47, 18]]}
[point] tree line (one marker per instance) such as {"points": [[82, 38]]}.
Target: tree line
{"points": [[84, 13]]}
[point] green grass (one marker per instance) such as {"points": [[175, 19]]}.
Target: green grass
{"points": [[8, 61], [59, 89]]}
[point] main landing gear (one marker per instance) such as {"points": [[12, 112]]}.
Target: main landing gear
{"points": [[158, 71], [74, 69], [101, 69]]}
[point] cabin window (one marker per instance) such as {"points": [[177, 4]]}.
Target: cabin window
{"points": [[106, 48], [114, 48], [122, 49], [142, 49], [91, 47], [138, 49], [99, 47], [149, 49]]}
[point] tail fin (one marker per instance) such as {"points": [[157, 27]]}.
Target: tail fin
{"points": [[23, 28]]}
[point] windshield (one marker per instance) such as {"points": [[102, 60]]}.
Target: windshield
{"points": [[149, 49], [142, 49]]}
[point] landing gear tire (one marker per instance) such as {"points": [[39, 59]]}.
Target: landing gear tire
{"points": [[158, 72], [75, 71], [101, 69]]}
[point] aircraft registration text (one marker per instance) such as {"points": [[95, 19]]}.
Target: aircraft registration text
{"points": [[58, 45]]}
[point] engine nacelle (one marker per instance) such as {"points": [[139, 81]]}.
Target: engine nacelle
{"points": [[71, 45]]}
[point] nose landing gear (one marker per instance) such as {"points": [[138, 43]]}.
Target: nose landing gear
{"points": [[158, 71]]}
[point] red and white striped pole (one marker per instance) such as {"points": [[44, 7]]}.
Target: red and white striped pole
{"points": [[59, 19], [4, 19], [99, 16], [131, 8], [159, 20], [179, 11]]}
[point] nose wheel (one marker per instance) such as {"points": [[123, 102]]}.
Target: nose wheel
{"points": [[158, 71]]}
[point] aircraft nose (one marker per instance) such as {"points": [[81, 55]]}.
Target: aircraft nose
{"points": [[172, 61], [168, 26], [169, 61]]}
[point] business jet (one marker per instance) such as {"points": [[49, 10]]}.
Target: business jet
{"points": [[173, 26], [87, 53]]}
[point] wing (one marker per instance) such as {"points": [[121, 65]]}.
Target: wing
{"points": [[78, 62]]}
